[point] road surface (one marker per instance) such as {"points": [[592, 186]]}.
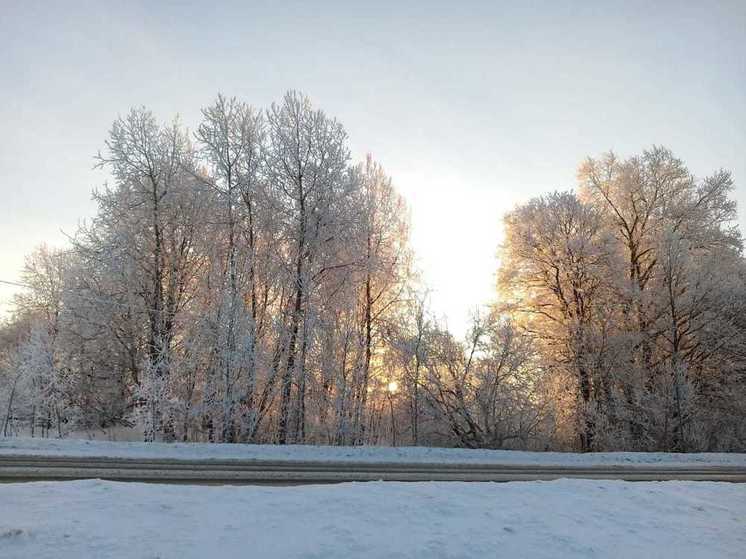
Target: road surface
{"points": [[265, 472]]}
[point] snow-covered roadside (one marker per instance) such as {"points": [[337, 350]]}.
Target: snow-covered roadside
{"points": [[565, 518], [197, 451]]}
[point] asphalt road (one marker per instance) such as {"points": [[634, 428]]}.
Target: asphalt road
{"points": [[261, 472]]}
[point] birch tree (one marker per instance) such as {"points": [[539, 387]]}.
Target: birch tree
{"points": [[306, 165]]}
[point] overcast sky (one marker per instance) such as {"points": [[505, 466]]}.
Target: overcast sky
{"points": [[470, 106]]}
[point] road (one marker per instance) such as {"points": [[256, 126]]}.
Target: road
{"points": [[263, 472]]}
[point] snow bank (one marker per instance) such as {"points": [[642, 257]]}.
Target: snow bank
{"points": [[565, 518], [197, 451]]}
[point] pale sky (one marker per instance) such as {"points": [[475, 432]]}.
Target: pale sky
{"points": [[472, 107]]}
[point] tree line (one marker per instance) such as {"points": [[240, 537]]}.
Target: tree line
{"points": [[250, 282]]}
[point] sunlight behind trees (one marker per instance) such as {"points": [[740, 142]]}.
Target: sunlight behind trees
{"points": [[250, 282]]}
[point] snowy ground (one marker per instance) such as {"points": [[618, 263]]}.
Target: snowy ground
{"points": [[559, 519], [83, 448]]}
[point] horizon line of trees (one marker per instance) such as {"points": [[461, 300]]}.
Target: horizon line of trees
{"points": [[249, 282]]}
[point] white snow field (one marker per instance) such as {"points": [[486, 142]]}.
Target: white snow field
{"points": [[558, 519], [202, 451]]}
